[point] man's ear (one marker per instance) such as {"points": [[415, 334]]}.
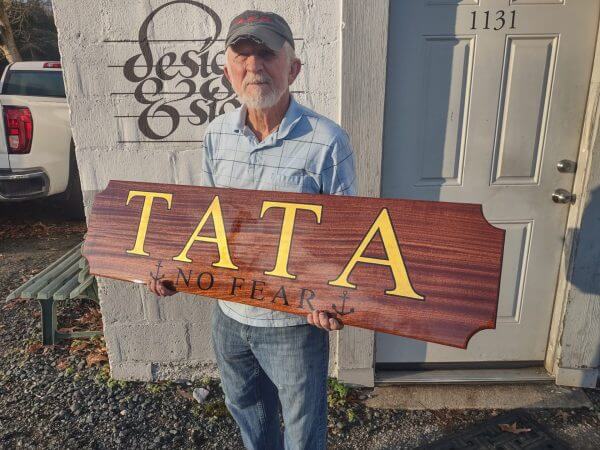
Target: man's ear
{"points": [[226, 72], [295, 67]]}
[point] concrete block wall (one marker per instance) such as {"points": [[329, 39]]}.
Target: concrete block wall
{"points": [[152, 338]]}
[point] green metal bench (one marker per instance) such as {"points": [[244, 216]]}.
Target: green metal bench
{"points": [[66, 278]]}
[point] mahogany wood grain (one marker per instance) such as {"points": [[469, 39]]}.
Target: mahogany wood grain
{"points": [[453, 256]]}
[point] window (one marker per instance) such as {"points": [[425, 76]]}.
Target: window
{"points": [[35, 83]]}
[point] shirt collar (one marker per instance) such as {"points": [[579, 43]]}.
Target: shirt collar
{"points": [[291, 118], [240, 121]]}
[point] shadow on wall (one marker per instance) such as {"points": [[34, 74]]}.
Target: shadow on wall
{"points": [[585, 275]]}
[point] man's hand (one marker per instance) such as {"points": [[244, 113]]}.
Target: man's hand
{"points": [[322, 319], [160, 287]]}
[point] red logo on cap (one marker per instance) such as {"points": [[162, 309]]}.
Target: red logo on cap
{"points": [[253, 19]]}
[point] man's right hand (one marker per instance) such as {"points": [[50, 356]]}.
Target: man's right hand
{"points": [[160, 287]]}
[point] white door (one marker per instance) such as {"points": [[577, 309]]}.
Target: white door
{"points": [[483, 99]]}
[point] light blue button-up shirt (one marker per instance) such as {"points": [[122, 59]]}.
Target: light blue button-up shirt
{"points": [[307, 153]]}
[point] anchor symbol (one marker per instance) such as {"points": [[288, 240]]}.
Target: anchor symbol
{"points": [[344, 297], [158, 276]]}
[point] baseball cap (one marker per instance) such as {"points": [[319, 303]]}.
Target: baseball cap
{"points": [[267, 28]]}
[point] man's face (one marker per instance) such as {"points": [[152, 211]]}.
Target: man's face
{"points": [[259, 75]]}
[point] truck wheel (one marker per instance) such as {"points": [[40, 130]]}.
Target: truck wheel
{"points": [[72, 199]]}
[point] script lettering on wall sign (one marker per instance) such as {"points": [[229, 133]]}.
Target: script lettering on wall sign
{"points": [[176, 80], [425, 270]]}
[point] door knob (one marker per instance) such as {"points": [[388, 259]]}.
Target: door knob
{"points": [[566, 166], [562, 196]]}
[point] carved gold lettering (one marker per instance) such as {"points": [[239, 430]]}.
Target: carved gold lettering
{"points": [[138, 247], [394, 261], [287, 232], [220, 238]]}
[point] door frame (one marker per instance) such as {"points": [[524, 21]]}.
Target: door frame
{"points": [[578, 367], [364, 36], [364, 39]]}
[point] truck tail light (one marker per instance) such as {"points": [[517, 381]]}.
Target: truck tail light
{"points": [[52, 65], [19, 129]]}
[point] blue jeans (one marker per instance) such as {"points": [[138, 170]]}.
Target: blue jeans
{"points": [[263, 366]]}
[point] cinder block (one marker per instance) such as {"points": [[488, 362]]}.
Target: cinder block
{"points": [[184, 370], [92, 122], [200, 342], [119, 301], [185, 307], [577, 377], [131, 371], [151, 342], [188, 166], [99, 166], [88, 201], [150, 302], [112, 346]]}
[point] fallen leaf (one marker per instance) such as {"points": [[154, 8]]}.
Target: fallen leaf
{"points": [[92, 318], [512, 428], [185, 394], [41, 228], [79, 346], [13, 303], [96, 357], [49, 349], [33, 348], [62, 364]]}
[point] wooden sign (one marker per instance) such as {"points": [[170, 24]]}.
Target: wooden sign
{"points": [[425, 270]]}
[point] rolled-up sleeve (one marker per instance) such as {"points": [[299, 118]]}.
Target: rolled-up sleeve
{"points": [[338, 176]]}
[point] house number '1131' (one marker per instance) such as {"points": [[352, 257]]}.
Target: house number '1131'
{"points": [[489, 21]]}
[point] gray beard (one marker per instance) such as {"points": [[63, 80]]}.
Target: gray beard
{"points": [[262, 101]]}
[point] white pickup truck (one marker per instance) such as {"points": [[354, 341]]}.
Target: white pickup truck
{"points": [[37, 154]]}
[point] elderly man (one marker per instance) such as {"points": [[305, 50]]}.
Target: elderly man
{"points": [[271, 142]]}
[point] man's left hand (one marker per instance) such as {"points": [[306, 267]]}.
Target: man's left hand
{"points": [[324, 320]]}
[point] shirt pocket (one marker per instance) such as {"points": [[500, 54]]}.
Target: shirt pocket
{"points": [[293, 181]]}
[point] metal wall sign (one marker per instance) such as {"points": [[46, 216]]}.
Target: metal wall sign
{"points": [[425, 270]]}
